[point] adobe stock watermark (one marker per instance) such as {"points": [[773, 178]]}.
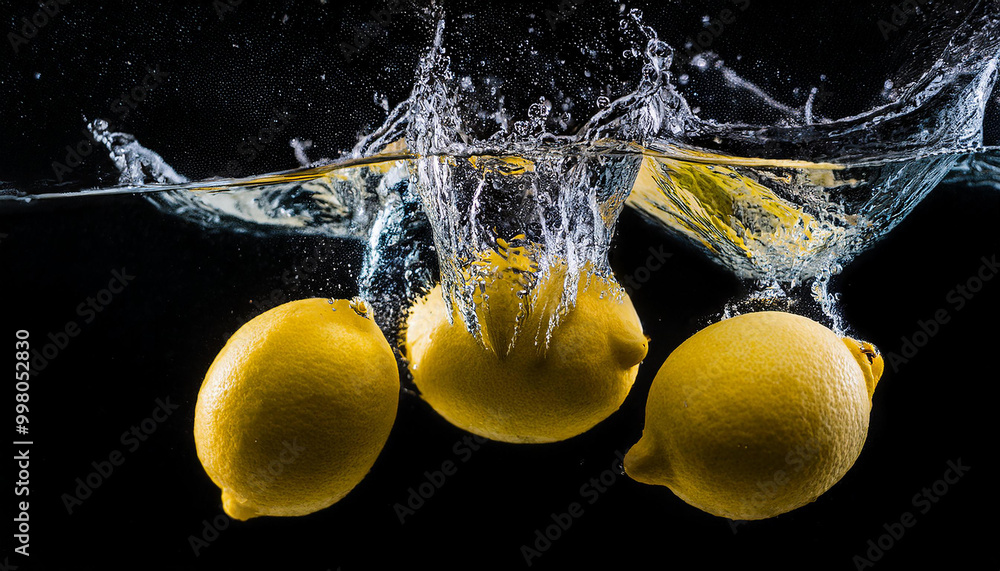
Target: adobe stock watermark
{"points": [[922, 502], [293, 277], [564, 11], [87, 310], [795, 460], [250, 149], [417, 497], [822, 94], [33, 24], [957, 298], [590, 492], [132, 439], [366, 31], [223, 7], [211, 531], [900, 16], [264, 476], [714, 27], [904, 12], [126, 102], [129, 100], [639, 276]]}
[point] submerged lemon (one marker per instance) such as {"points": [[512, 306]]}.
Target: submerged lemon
{"points": [[296, 408], [756, 415], [514, 387]]}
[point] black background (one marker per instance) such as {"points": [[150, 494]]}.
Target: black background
{"points": [[194, 287]]}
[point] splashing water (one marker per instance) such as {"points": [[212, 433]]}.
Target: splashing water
{"points": [[785, 204]]}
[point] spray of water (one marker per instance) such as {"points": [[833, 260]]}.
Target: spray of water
{"points": [[784, 204]]}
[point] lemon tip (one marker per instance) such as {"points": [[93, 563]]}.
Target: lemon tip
{"points": [[870, 361], [236, 509]]}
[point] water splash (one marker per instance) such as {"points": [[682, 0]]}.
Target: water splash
{"points": [[785, 204]]}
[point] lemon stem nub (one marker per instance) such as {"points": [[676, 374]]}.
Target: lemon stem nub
{"points": [[235, 509], [643, 463], [870, 360]]}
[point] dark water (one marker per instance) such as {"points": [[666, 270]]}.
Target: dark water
{"points": [[193, 286]]}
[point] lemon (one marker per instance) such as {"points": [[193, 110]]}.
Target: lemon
{"points": [[296, 408], [756, 415], [513, 386]]}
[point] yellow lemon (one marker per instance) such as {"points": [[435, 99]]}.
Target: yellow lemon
{"points": [[296, 408], [513, 386], [756, 415]]}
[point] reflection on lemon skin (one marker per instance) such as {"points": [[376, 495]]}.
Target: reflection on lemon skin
{"points": [[518, 383], [296, 408], [756, 415]]}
